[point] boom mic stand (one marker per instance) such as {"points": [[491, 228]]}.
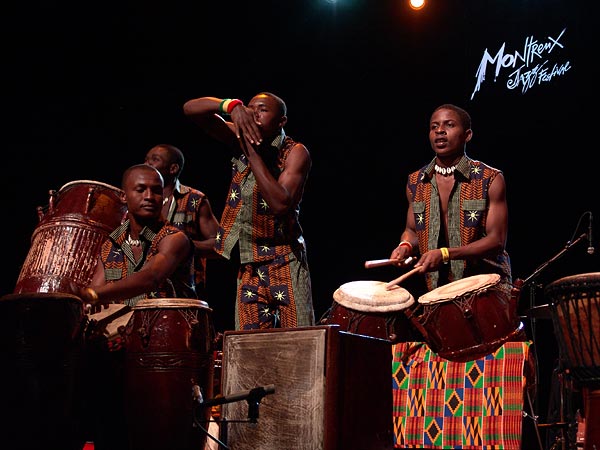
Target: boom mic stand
{"points": [[252, 397], [561, 424]]}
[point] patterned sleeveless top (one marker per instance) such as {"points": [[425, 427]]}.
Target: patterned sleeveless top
{"points": [[467, 216], [119, 262], [247, 218]]}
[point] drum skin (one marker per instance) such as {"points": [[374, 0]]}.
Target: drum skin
{"points": [[169, 354], [366, 307], [66, 242], [468, 319]]}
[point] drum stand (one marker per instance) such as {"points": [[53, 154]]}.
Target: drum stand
{"points": [[252, 397], [562, 441]]}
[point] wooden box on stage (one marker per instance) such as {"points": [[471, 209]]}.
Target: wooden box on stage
{"points": [[332, 389]]}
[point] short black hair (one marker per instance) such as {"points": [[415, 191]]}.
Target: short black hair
{"points": [[465, 117]]}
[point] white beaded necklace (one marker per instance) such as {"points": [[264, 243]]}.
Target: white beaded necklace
{"points": [[133, 242], [445, 171]]}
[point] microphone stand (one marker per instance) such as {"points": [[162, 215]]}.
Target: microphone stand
{"points": [[526, 282], [252, 397]]}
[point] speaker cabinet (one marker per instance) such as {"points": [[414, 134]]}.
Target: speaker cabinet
{"points": [[333, 390]]}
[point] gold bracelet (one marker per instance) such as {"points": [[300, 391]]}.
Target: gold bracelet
{"points": [[445, 255], [92, 294]]}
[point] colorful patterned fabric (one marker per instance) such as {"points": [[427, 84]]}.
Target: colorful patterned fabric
{"points": [[184, 214], [267, 295], [119, 262], [467, 216], [274, 286], [441, 404], [247, 218]]}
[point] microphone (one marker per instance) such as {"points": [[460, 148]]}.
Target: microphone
{"points": [[590, 248], [254, 395]]}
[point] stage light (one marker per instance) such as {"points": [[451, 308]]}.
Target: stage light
{"points": [[416, 4]]}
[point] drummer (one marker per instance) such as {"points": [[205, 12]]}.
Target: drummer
{"points": [[457, 217], [145, 257]]}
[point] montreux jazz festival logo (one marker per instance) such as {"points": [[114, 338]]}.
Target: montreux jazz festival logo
{"points": [[538, 63]]}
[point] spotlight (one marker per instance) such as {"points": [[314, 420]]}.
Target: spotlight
{"points": [[416, 4]]}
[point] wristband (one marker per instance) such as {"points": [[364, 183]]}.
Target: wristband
{"points": [[407, 245], [92, 294], [445, 255], [227, 105]]}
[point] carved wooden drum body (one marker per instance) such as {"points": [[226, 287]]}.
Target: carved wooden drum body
{"points": [[66, 242], [366, 307]]}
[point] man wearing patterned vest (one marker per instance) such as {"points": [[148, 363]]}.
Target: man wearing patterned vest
{"points": [[261, 214], [186, 208]]}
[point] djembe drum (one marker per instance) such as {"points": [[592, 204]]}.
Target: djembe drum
{"points": [[169, 363], [67, 240], [468, 318], [366, 307]]}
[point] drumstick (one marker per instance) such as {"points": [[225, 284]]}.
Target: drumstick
{"points": [[385, 262], [401, 278]]}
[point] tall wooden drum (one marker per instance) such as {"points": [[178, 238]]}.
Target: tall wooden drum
{"points": [[66, 242], [169, 361]]}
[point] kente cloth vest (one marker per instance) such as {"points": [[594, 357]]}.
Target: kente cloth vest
{"points": [[183, 214], [248, 219], [119, 262], [467, 216]]}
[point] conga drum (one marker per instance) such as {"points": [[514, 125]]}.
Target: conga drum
{"points": [[468, 318], [41, 339], [366, 307], [169, 364], [576, 319], [66, 242]]}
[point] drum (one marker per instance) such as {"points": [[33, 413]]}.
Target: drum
{"points": [[169, 362], [366, 307], [67, 240], [468, 318], [576, 319], [41, 339]]}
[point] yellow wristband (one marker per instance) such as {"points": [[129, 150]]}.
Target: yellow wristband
{"points": [[445, 255]]}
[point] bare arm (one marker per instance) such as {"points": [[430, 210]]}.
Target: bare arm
{"points": [[208, 226], [204, 111], [409, 235]]}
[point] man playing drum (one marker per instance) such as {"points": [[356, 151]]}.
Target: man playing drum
{"points": [[457, 217], [145, 257], [456, 225]]}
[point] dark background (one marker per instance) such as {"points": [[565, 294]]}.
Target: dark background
{"points": [[89, 88]]}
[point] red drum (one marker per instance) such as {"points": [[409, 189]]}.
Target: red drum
{"points": [[368, 308], [41, 339], [468, 318], [169, 355], [576, 319], [66, 242]]}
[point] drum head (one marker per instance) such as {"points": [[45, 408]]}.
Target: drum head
{"points": [[372, 296], [457, 288], [148, 303], [90, 182]]}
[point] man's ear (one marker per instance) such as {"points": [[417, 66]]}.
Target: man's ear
{"points": [[174, 169], [282, 121], [469, 135]]}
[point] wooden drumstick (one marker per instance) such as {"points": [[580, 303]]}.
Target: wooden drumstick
{"points": [[401, 278], [385, 262]]}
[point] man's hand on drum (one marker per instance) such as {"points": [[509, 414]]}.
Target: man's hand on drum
{"points": [[91, 303], [430, 260], [402, 255]]}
